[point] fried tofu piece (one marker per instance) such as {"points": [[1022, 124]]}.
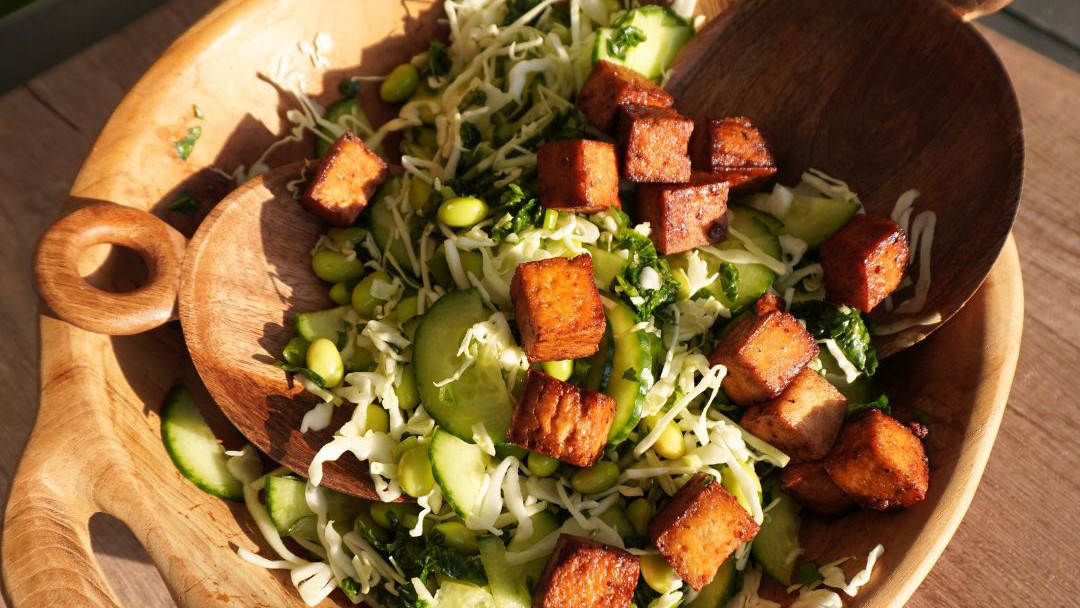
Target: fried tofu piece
{"points": [[879, 462], [684, 216], [654, 144], [583, 573], [578, 175], [762, 355], [611, 85], [746, 180], [344, 182], [864, 261], [729, 143], [561, 420], [803, 420], [558, 308], [809, 483], [700, 528]]}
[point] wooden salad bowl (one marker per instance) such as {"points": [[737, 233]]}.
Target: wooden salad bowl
{"points": [[96, 446]]}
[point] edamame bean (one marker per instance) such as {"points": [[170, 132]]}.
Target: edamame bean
{"points": [[376, 419], [324, 359], [658, 574], [670, 444], [386, 513], [405, 309], [596, 478], [639, 513], [334, 267], [616, 518], [506, 450], [560, 370], [347, 236], [414, 472], [339, 293], [406, 444], [400, 84], [541, 465], [408, 396], [472, 261], [462, 212], [458, 537], [363, 300], [295, 351]]}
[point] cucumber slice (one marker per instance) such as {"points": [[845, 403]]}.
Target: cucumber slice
{"points": [[665, 33], [329, 324], [288, 508], [479, 395], [606, 266], [507, 582], [543, 524], [814, 219], [459, 469], [342, 113], [194, 449], [632, 357], [775, 544], [717, 593], [459, 594], [594, 372], [728, 480]]}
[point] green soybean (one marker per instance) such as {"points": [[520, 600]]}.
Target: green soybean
{"points": [[347, 236], [462, 212], [615, 517], [339, 293], [376, 418], [408, 396], [458, 537], [596, 478], [365, 302], [324, 359], [334, 267], [400, 84], [639, 513], [406, 444], [560, 370], [542, 466], [414, 472], [405, 309], [658, 574]]}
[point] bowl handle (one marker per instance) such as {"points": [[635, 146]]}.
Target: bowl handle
{"points": [[973, 9], [83, 305]]}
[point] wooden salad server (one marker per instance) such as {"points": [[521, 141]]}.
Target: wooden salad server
{"points": [[888, 96]]}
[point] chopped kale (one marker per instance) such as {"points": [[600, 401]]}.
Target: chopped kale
{"points": [[426, 556], [808, 573], [644, 302], [186, 144], [184, 203], [624, 39], [524, 210], [844, 325], [348, 87], [881, 404], [439, 58], [729, 280], [470, 135]]}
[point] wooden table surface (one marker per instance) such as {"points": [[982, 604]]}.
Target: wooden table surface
{"points": [[1018, 545]]}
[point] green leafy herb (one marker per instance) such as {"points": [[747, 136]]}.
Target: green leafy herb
{"points": [[470, 135], [729, 280], [351, 588], [524, 210], [566, 125], [184, 203], [186, 144], [425, 556], [845, 326], [348, 87], [439, 58], [516, 9], [197, 111], [808, 573], [643, 254], [300, 369], [881, 404], [624, 39]]}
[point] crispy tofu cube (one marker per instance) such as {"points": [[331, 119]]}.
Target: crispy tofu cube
{"points": [[344, 182], [729, 143], [654, 144], [558, 308], [561, 420], [762, 355], [700, 528], [864, 261], [803, 420], [879, 462], [684, 216], [578, 175], [809, 483], [609, 86], [747, 179], [582, 573]]}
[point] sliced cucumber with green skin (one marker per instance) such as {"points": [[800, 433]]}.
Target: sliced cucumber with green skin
{"points": [[329, 324], [814, 219], [506, 582], [731, 484], [335, 112], [665, 34], [632, 357], [717, 593], [194, 449], [457, 594], [606, 266], [287, 506], [479, 395], [459, 469], [594, 372], [775, 544]]}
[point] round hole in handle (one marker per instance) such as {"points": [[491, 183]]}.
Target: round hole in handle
{"points": [[74, 300]]}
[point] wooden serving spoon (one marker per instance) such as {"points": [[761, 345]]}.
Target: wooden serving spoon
{"points": [[886, 95]]}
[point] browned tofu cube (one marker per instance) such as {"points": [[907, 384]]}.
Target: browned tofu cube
{"points": [[654, 144], [561, 420], [700, 528], [803, 420], [609, 86], [729, 143], [879, 462], [746, 180], [344, 182], [809, 483], [684, 216], [558, 308], [578, 175], [864, 261], [762, 355], [582, 573]]}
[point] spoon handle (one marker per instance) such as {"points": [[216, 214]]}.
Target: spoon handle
{"points": [[74, 300]]}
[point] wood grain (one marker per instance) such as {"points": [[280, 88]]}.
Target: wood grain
{"points": [[999, 557]]}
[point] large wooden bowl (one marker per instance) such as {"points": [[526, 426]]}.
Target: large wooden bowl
{"points": [[96, 445]]}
